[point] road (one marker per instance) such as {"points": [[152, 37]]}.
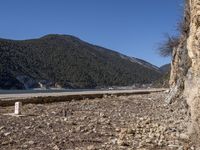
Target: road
{"points": [[20, 95]]}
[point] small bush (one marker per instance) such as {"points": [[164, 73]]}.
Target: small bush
{"points": [[165, 49]]}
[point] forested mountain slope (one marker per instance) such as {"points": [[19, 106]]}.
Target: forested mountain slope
{"points": [[68, 62]]}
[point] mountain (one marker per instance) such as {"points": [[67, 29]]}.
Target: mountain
{"points": [[66, 61], [146, 64], [165, 68], [164, 80]]}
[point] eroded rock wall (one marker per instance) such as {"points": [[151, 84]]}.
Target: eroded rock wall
{"points": [[192, 79], [185, 74], [180, 59]]}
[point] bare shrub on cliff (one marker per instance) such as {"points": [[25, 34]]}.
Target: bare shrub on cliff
{"points": [[183, 27], [165, 49]]}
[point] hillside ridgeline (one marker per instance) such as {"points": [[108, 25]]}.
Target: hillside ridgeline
{"points": [[66, 61]]}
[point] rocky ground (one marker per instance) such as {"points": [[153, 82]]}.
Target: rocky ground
{"points": [[141, 122]]}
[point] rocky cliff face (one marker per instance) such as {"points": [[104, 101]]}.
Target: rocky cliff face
{"points": [[185, 74]]}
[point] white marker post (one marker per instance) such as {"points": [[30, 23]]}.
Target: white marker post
{"points": [[18, 107]]}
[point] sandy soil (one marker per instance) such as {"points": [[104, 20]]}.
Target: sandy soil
{"points": [[111, 123]]}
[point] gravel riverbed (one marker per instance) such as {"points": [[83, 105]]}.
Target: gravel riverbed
{"points": [[141, 122]]}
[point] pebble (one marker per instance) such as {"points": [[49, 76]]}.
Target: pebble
{"points": [[56, 147], [184, 136], [31, 142], [91, 147], [1, 128], [122, 143], [7, 133]]}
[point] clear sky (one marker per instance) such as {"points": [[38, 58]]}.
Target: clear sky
{"points": [[132, 27]]}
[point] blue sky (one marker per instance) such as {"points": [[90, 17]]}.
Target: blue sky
{"points": [[132, 27]]}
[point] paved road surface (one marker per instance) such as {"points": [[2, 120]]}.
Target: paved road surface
{"points": [[14, 96]]}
